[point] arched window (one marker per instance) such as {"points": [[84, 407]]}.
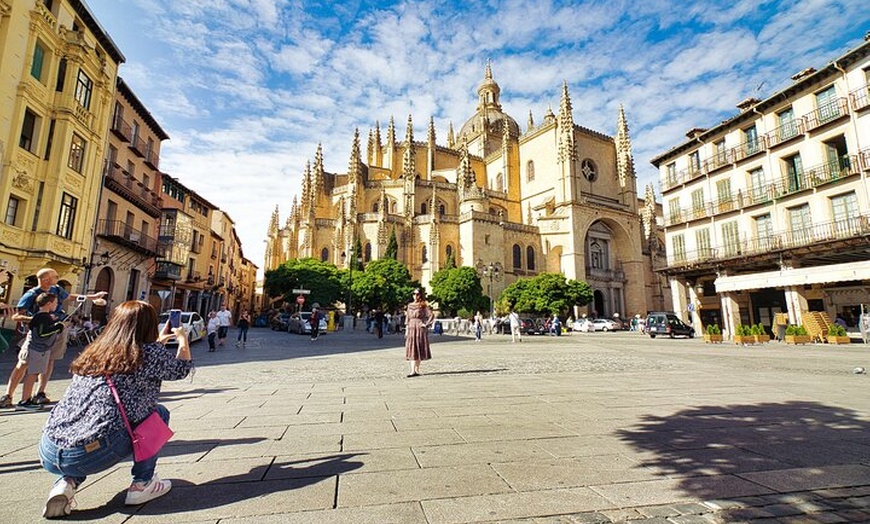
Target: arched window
{"points": [[530, 258], [423, 208], [324, 255], [424, 255], [499, 182], [530, 170], [376, 207], [448, 250], [368, 252], [442, 209], [394, 206], [518, 257]]}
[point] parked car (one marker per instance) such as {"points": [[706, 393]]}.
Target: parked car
{"points": [[661, 323], [300, 324], [193, 324], [605, 324]]}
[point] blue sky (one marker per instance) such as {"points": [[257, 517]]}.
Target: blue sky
{"points": [[247, 88]]}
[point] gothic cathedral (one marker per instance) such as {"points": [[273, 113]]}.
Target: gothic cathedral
{"points": [[557, 197]]}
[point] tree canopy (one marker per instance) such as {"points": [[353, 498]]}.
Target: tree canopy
{"points": [[546, 294], [385, 284], [458, 288], [304, 273], [392, 250]]}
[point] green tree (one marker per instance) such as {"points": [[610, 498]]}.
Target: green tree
{"points": [[392, 250], [385, 283], [458, 288], [450, 263], [304, 273], [358, 255], [546, 294]]}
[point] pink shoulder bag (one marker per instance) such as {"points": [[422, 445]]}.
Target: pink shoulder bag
{"points": [[149, 436]]}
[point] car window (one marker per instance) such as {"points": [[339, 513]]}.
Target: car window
{"points": [[185, 318]]}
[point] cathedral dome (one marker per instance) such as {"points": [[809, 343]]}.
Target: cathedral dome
{"points": [[489, 115]]}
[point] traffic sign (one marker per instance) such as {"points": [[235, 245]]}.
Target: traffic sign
{"points": [[163, 294], [300, 299], [302, 291]]}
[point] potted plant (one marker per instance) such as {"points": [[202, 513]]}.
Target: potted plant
{"points": [[713, 334], [743, 335], [837, 335], [760, 334], [796, 335]]}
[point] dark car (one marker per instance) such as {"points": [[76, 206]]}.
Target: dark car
{"points": [[667, 324], [528, 326]]}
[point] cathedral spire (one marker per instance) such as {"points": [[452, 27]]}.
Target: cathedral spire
{"points": [[306, 186], [409, 162], [273, 224], [451, 140], [378, 158], [370, 148], [531, 124], [391, 133], [624, 159], [354, 167], [567, 149], [430, 136], [317, 175]]}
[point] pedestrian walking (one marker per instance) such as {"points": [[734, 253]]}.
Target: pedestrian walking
{"points": [[314, 322], [243, 324], [87, 432], [379, 322], [225, 320], [211, 329], [418, 319], [516, 333], [478, 326]]}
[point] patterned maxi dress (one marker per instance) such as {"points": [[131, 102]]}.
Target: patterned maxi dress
{"points": [[419, 316]]}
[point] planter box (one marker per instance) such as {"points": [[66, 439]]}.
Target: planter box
{"points": [[761, 339], [712, 339], [744, 339], [839, 340], [798, 339]]}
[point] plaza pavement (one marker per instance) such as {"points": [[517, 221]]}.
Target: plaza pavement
{"points": [[586, 428]]}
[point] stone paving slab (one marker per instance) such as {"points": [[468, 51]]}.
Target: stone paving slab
{"points": [[578, 429]]}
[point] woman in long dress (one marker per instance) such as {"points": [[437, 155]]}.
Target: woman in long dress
{"points": [[418, 319]]}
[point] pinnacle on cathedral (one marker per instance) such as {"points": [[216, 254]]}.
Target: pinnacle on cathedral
{"points": [[567, 148], [624, 158], [409, 165]]}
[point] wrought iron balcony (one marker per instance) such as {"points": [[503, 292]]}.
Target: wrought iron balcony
{"points": [[137, 146], [860, 98], [827, 113], [854, 227], [167, 271], [125, 235], [121, 128], [152, 159], [785, 132], [132, 190]]}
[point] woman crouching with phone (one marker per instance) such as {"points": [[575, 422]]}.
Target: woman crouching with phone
{"points": [[86, 432]]}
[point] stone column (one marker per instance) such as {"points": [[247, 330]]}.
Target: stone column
{"points": [[678, 297], [796, 303], [730, 314]]}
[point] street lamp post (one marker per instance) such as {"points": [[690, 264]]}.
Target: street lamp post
{"points": [[493, 270]]}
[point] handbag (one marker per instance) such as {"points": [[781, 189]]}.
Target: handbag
{"points": [[149, 436]]}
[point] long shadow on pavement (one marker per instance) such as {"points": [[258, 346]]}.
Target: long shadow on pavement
{"points": [[791, 447], [188, 497]]}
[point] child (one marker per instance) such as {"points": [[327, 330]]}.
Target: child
{"points": [[34, 355], [211, 329]]}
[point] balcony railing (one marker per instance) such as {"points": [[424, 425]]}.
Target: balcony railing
{"points": [[827, 113], [193, 276], [860, 98], [853, 227], [816, 176], [718, 161], [126, 235], [167, 271], [121, 128], [785, 132], [747, 149], [132, 190], [152, 159], [137, 146]]}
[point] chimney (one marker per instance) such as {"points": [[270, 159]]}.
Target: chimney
{"points": [[803, 74], [694, 132]]}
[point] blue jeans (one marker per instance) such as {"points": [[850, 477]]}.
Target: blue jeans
{"points": [[77, 463], [243, 334]]}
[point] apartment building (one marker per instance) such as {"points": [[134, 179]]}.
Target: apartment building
{"points": [[130, 204], [769, 211], [57, 71]]}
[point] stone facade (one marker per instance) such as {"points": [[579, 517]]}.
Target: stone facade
{"points": [[556, 197]]}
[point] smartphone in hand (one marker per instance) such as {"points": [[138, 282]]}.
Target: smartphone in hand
{"points": [[174, 318]]}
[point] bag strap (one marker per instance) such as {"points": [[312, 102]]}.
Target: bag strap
{"points": [[120, 405]]}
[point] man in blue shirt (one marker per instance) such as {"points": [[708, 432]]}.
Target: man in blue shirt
{"points": [[26, 308]]}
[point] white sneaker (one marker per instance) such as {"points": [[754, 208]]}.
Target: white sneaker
{"points": [[142, 492], [60, 499]]}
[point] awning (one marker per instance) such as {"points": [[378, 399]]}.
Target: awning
{"points": [[795, 277]]}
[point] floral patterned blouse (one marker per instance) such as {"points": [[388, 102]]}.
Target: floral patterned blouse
{"points": [[88, 410]]}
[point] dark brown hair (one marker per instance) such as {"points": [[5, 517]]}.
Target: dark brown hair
{"points": [[118, 349]]}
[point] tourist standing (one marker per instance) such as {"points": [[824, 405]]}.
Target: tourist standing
{"points": [[314, 322], [211, 329], [418, 319], [86, 433], [243, 324]]}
